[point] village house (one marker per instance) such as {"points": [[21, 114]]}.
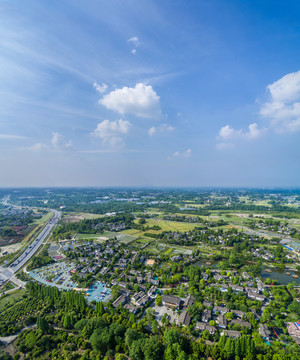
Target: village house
{"points": [[171, 301], [242, 323], [190, 300], [264, 331], [206, 315], [221, 309], [121, 300], [232, 334], [184, 318], [204, 326], [222, 321]]}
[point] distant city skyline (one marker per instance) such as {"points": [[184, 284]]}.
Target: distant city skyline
{"points": [[150, 94]]}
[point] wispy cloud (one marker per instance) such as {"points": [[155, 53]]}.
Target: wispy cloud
{"points": [[224, 146], [181, 154], [154, 130], [136, 43], [11, 137], [38, 147]]}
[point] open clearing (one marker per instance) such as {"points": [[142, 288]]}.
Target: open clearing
{"points": [[75, 217], [10, 297]]}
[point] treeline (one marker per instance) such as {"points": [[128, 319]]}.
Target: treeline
{"points": [[40, 260], [91, 226], [69, 328]]}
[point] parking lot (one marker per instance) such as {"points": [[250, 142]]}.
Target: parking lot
{"points": [[58, 274]]}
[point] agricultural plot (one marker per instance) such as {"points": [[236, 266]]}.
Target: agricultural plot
{"points": [[125, 238], [99, 237], [170, 225]]}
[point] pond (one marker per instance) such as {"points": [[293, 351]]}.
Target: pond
{"points": [[280, 275]]}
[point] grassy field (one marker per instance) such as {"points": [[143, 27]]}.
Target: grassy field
{"points": [[10, 297], [168, 252], [125, 238], [170, 225], [43, 219], [88, 236]]}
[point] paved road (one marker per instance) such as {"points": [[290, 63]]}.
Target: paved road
{"points": [[7, 273]]}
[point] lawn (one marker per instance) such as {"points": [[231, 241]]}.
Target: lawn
{"points": [[10, 297], [168, 252]]}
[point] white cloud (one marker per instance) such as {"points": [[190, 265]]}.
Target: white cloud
{"points": [[140, 100], [135, 41], [228, 133], [11, 137], [283, 109], [58, 143], [100, 88], [254, 132], [160, 129], [186, 153], [111, 132]]}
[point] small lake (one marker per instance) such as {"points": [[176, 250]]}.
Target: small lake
{"points": [[280, 275]]}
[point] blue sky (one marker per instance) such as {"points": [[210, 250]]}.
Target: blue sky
{"points": [[149, 93]]}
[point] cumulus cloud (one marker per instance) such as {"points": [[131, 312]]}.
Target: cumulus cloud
{"points": [[160, 129], [111, 132], [140, 100], [100, 88], [228, 133], [57, 143], [283, 108]]}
